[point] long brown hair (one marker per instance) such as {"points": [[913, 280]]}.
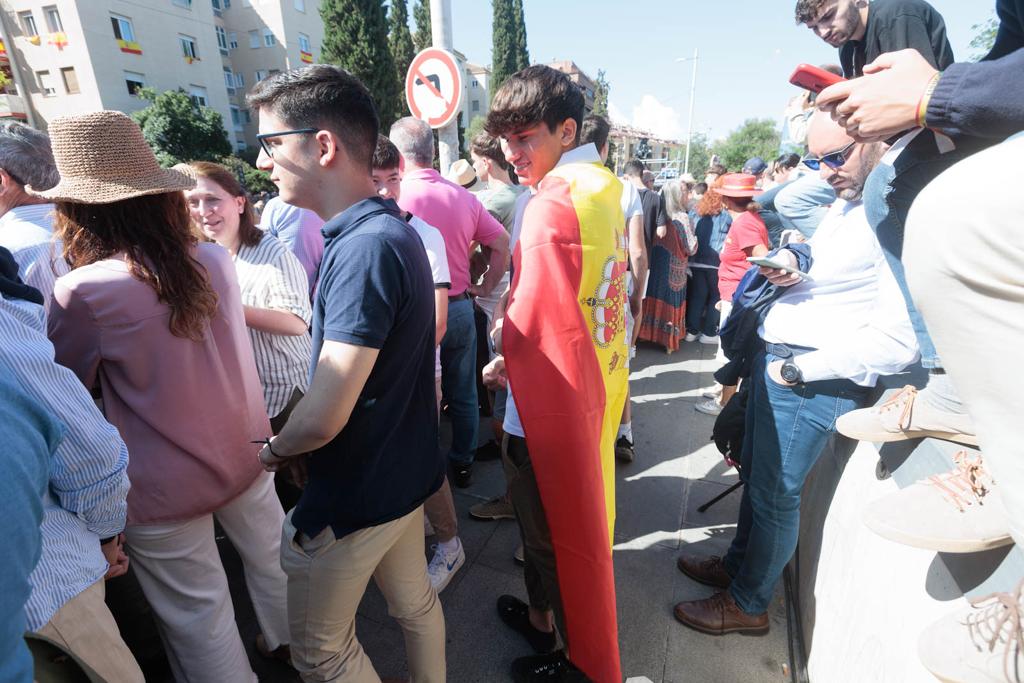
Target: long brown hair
{"points": [[155, 234], [711, 203], [248, 233]]}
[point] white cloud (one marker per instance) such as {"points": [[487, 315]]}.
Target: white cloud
{"points": [[615, 114], [660, 119]]}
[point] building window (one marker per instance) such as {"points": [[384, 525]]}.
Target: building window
{"points": [[232, 41], [123, 28], [254, 39], [46, 84], [246, 117], [198, 95], [188, 48], [239, 80], [53, 21], [268, 38], [236, 117], [260, 75], [187, 4], [222, 39], [229, 78], [304, 43], [476, 105], [134, 81], [216, 7], [28, 23], [70, 80], [476, 83], [300, 5]]}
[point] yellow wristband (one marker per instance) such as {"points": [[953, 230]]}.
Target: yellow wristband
{"points": [[926, 97]]}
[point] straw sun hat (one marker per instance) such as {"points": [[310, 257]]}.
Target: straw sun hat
{"points": [[103, 158]]}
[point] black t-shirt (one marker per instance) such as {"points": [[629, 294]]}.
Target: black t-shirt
{"points": [[898, 25], [655, 214], [376, 291]]}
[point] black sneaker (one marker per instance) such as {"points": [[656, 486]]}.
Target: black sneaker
{"points": [[516, 615], [549, 668], [624, 451], [462, 474]]}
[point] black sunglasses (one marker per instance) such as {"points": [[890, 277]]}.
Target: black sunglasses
{"points": [[834, 160], [262, 138]]}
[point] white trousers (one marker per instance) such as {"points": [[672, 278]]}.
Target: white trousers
{"points": [[964, 258], [181, 575]]}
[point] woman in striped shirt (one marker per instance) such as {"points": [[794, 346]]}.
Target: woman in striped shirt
{"points": [[273, 284]]}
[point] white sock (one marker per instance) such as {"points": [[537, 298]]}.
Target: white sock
{"points": [[626, 430], [449, 546]]}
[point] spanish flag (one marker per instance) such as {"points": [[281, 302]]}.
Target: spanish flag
{"points": [[564, 339]]}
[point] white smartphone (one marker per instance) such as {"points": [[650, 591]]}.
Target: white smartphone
{"points": [[766, 262]]}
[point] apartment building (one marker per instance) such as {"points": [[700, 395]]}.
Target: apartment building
{"points": [[628, 141], [477, 101], [74, 56], [584, 82]]}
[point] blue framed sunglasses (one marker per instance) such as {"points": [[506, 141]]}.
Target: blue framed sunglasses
{"points": [[834, 160]]}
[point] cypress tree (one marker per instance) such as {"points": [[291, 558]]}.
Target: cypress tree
{"points": [[356, 39], [522, 54], [400, 40], [503, 50], [601, 89], [423, 38]]}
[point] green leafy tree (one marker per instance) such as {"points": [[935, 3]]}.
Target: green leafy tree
{"points": [[601, 90], [476, 126], [356, 39], [504, 44], [700, 155], [178, 129], [984, 37], [423, 38], [400, 39], [522, 54], [755, 138], [253, 179]]}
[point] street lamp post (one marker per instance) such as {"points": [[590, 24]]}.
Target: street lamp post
{"points": [[693, 96]]}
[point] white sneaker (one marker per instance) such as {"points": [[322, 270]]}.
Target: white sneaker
{"points": [[712, 392], [704, 339], [982, 644], [444, 565], [954, 512], [709, 407], [690, 337], [901, 417]]}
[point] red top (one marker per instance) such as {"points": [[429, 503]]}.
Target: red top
{"points": [[748, 230]]}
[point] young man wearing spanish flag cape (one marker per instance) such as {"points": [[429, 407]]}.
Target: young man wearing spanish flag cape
{"points": [[565, 360]]}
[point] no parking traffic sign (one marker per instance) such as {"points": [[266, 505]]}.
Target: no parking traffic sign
{"points": [[433, 87]]}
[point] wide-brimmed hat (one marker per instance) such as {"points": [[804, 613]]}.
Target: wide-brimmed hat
{"points": [[462, 173], [103, 158], [688, 179], [738, 185]]}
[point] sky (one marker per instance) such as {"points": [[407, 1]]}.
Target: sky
{"points": [[748, 48]]}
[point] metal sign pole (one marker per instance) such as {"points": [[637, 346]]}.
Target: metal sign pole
{"points": [[441, 34]]}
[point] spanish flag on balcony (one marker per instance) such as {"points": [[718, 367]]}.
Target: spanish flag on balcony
{"points": [[58, 38], [564, 340], [190, 60], [3, 49], [129, 46], [307, 57]]}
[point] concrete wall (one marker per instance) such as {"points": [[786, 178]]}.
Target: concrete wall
{"points": [[864, 600]]}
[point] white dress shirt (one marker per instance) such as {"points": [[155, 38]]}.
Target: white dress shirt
{"points": [[852, 311]]}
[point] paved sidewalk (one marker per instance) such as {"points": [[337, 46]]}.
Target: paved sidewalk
{"points": [[677, 469]]}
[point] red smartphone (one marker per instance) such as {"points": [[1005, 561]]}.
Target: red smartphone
{"points": [[814, 79]]}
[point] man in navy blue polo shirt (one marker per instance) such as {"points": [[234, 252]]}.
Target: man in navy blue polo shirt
{"points": [[369, 420]]}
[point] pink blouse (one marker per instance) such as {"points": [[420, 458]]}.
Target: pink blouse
{"points": [[186, 410]]}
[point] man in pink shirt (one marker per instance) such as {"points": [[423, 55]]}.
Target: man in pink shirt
{"points": [[462, 220]]}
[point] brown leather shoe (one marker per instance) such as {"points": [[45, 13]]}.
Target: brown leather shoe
{"points": [[719, 615], [707, 570]]}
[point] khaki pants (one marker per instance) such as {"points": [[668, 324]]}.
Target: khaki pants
{"points": [[180, 572], [327, 578], [964, 257], [85, 627]]}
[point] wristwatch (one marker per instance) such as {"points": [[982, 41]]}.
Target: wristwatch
{"points": [[791, 373]]}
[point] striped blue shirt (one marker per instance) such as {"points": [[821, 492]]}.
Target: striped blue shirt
{"points": [[27, 232], [86, 497]]}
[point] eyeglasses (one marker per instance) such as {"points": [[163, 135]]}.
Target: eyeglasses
{"points": [[834, 160], [263, 137]]}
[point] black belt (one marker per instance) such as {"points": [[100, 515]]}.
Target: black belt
{"points": [[786, 350], [458, 297]]}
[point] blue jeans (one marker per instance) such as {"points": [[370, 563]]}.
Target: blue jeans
{"points": [[786, 430], [888, 195], [458, 379], [701, 297]]}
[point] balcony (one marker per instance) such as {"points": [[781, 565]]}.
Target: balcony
{"points": [[12, 107]]}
